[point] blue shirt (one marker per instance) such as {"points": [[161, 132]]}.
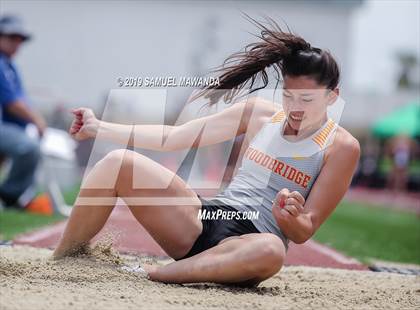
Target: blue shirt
{"points": [[11, 90]]}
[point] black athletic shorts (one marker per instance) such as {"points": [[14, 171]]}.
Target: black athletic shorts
{"points": [[215, 230]]}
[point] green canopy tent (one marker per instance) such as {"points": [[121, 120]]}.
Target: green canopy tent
{"points": [[404, 120]]}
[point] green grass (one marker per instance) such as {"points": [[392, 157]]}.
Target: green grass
{"points": [[14, 222], [71, 194], [366, 232]]}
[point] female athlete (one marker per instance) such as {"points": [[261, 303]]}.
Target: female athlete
{"points": [[294, 195]]}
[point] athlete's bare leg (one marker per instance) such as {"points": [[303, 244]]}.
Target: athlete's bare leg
{"points": [[245, 260], [174, 227]]}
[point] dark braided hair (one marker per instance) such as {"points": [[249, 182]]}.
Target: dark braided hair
{"points": [[288, 54]]}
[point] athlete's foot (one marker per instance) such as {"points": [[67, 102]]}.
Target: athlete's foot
{"points": [[143, 270], [151, 271]]}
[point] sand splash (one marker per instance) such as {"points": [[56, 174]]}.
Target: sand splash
{"points": [[102, 250]]}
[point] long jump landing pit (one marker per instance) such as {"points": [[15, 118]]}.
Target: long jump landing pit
{"points": [[29, 279]]}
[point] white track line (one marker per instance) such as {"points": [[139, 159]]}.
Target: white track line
{"points": [[331, 253], [42, 234]]}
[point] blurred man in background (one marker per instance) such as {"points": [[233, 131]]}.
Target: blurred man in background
{"points": [[400, 148], [15, 113]]}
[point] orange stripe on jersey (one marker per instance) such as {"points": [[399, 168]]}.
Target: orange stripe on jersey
{"points": [[327, 129], [318, 141], [279, 116], [322, 136]]}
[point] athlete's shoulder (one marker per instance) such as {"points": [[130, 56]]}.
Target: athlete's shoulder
{"points": [[263, 107], [345, 145], [258, 112]]}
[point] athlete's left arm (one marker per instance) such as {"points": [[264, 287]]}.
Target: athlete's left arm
{"points": [[327, 191]]}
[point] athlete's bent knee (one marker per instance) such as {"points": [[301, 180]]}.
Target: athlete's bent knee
{"points": [[115, 157], [270, 256]]}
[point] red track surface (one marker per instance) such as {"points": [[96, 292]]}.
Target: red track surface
{"points": [[133, 238], [384, 198]]}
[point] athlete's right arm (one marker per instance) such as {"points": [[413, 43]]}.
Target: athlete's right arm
{"points": [[211, 129]]}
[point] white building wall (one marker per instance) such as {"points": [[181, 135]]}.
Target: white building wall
{"points": [[80, 48]]}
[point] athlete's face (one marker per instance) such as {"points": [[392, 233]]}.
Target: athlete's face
{"points": [[305, 102]]}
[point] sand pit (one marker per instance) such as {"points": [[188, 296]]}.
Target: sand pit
{"points": [[29, 279]]}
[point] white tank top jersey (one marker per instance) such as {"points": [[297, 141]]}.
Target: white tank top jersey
{"points": [[272, 163]]}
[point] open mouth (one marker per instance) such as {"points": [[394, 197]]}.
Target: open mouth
{"points": [[296, 116]]}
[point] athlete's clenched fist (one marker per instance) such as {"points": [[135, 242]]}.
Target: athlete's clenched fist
{"points": [[85, 124], [288, 203]]}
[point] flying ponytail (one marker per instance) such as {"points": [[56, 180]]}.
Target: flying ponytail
{"points": [[287, 53]]}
